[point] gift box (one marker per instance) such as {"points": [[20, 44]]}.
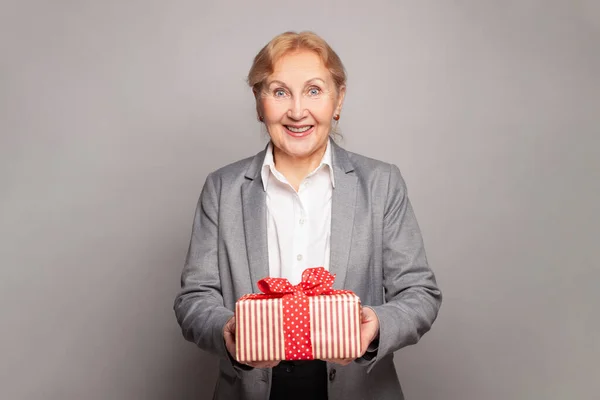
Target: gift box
{"points": [[307, 321]]}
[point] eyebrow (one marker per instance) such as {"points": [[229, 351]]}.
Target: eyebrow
{"points": [[305, 83]]}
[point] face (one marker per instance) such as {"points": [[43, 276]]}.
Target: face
{"points": [[298, 103]]}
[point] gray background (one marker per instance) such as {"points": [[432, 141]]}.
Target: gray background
{"points": [[113, 112]]}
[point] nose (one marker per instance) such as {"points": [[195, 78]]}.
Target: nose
{"points": [[297, 111]]}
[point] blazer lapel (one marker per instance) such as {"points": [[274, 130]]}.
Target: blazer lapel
{"points": [[255, 222], [342, 214]]}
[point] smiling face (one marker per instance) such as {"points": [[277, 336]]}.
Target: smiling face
{"points": [[297, 103]]}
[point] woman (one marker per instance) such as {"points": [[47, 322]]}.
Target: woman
{"points": [[305, 202]]}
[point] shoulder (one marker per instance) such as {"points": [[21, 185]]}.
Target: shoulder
{"points": [[367, 165], [234, 173], [377, 180], [371, 169], [234, 169]]}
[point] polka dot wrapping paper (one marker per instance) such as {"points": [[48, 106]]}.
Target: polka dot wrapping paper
{"points": [[298, 322]]}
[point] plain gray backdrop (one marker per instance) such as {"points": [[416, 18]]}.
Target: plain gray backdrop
{"points": [[112, 113]]}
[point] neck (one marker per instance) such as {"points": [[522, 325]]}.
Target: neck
{"points": [[295, 169]]}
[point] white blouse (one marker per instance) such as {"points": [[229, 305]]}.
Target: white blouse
{"points": [[298, 223]]}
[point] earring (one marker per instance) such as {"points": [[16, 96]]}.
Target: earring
{"points": [[261, 119], [336, 117]]}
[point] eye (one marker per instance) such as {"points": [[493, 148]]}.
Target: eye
{"points": [[314, 91], [279, 92]]}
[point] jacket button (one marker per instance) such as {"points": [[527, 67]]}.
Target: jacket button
{"points": [[332, 374]]}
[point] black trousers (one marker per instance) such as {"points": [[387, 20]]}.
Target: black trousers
{"points": [[299, 380]]}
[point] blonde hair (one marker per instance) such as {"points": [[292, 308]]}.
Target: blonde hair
{"points": [[287, 42]]}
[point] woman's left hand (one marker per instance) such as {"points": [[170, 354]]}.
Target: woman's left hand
{"points": [[369, 328]]}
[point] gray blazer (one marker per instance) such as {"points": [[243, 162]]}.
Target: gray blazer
{"points": [[376, 251]]}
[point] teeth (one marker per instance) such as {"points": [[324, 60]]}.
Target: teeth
{"points": [[299, 130]]}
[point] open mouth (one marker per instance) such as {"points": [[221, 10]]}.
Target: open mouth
{"points": [[299, 131]]}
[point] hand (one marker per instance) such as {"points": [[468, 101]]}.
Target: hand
{"points": [[369, 328], [229, 336]]}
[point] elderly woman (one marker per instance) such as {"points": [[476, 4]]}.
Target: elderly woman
{"points": [[305, 202]]}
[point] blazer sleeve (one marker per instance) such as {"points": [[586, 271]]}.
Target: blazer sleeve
{"points": [[412, 297], [199, 305]]}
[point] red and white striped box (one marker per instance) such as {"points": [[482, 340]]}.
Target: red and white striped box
{"points": [[297, 326]]}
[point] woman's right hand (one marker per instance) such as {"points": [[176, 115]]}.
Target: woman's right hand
{"points": [[229, 336]]}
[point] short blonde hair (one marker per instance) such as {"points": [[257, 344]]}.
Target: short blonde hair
{"points": [[287, 42]]}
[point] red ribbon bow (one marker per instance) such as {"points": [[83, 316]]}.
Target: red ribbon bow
{"points": [[315, 281]]}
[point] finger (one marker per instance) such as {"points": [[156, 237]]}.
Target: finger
{"points": [[365, 314], [230, 345], [229, 336], [231, 325]]}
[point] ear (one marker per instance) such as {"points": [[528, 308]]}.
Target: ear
{"points": [[340, 99], [256, 93]]}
